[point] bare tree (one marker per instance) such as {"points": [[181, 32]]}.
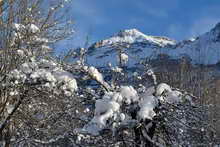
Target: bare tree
{"points": [[28, 29]]}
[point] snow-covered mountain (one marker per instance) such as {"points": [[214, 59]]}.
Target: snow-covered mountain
{"points": [[204, 49], [135, 36]]}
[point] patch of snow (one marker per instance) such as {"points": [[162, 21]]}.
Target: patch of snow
{"points": [[129, 93], [95, 74], [161, 88], [18, 75], [12, 93], [122, 116], [105, 109], [43, 74], [47, 64], [66, 78], [33, 28], [10, 108], [116, 69], [20, 52], [46, 48], [174, 97], [40, 40], [124, 58], [192, 39], [48, 72], [18, 27], [147, 106]]}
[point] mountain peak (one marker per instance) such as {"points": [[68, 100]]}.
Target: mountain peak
{"points": [[217, 26], [131, 36], [215, 32], [130, 32]]}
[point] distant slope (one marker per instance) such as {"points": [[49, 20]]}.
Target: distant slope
{"points": [[204, 49]]}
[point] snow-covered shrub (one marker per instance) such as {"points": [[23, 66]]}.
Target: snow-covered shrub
{"points": [[148, 114]]}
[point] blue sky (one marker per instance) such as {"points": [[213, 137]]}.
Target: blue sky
{"points": [[177, 19]]}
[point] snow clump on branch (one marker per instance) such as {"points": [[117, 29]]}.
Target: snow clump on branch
{"points": [[45, 73], [109, 113]]}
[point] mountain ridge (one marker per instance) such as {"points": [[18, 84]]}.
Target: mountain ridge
{"points": [[204, 49]]}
